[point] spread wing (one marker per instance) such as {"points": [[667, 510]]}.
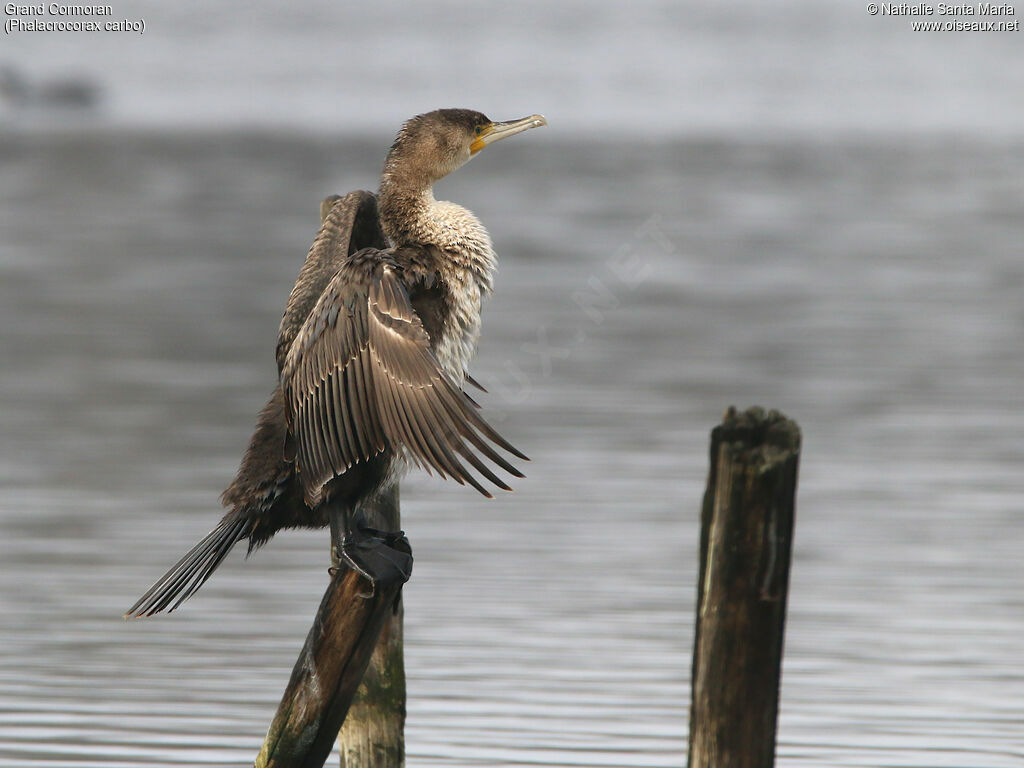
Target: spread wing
{"points": [[360, 377], [349, 224]]}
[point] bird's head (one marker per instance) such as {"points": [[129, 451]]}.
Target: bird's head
{"points": [[432, 145]]}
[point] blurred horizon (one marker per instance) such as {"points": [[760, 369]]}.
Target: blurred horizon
{"points": [[652, 69]]}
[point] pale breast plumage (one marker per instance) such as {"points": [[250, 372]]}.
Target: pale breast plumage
{"points": [[468, 270]]}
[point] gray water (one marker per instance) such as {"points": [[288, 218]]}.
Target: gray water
{"points": [[873, 294], [809, 209]]}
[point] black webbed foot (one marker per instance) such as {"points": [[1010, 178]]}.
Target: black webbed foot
{"points": [[374, 554]]}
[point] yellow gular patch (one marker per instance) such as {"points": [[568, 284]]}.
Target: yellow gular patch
{"points": [[479, 144]]}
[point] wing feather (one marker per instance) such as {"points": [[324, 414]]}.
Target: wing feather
{"points": [[305, 457], [331, 405], [319, 411], [342, 451], [347, 389], [427, 430], [365, 395], [360, 377], [399, 423], [349, 440]]}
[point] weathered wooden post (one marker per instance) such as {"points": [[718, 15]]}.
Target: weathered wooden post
{"points": [[373, 735], [746, 537], [334, 659]]}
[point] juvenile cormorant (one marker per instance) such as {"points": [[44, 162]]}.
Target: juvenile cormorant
{"points": [[372, 354]]}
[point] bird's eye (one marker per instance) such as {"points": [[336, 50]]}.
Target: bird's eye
{"points": [[479, 130]]}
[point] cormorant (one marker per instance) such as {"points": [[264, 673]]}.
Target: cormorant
{"points": [[372, 354]]}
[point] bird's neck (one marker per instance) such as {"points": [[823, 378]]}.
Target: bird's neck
{"points": [[405, 211], [410, 215]]}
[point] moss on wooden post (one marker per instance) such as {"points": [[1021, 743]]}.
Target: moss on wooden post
{"points": [[746, 537]]}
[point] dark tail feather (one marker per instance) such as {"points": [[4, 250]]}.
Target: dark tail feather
{"points": [[191, 572]]}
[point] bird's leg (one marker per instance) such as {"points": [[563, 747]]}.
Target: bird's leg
{"points": [[339, 523], [344, 541]]}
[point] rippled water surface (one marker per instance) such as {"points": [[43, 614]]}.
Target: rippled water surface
{"points": [[870, 290]]}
